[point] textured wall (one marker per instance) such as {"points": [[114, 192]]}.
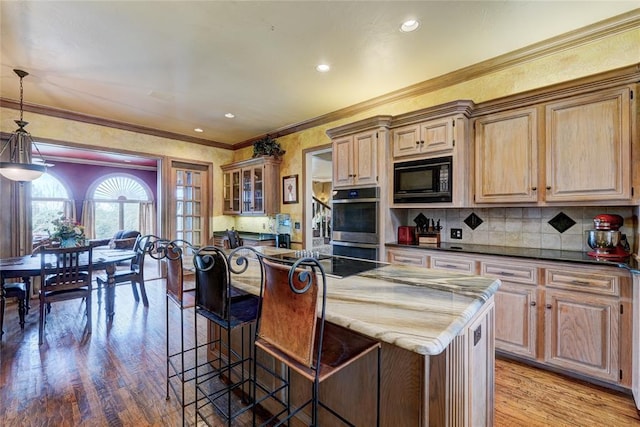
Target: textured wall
{"points": [[605, 54]]}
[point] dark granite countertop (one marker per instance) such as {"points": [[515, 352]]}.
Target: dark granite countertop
{"points": [[631, 263], [250, 235]]}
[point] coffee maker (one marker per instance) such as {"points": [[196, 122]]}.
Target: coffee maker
{"points": [[606, 240]]}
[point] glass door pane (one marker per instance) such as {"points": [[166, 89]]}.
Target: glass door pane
{"points": [[190, 206]]}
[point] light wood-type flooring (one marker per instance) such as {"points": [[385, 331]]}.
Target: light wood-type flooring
{"points": [[116, 376]]}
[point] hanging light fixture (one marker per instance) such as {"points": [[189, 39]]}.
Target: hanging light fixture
{"points": [[19, 166]]}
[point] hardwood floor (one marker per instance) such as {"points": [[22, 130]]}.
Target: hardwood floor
{"points": [[116, 375]]}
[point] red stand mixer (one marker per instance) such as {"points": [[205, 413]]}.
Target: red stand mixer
{"points": [[606, 240]]}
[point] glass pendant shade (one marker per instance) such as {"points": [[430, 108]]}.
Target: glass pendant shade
{"points": [[21, 171]]}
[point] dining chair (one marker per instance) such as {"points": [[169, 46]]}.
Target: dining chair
{"points": [[19, 291], [227, 309], [292, 329], [135, 271], [65, 274], [233, 239], [178, 365]]}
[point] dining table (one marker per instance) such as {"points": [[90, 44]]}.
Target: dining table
{"points": [[28, 266]]}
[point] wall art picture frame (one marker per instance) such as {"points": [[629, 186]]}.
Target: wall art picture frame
{"points": [[290, 189]]}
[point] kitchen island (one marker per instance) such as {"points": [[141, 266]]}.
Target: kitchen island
{"points": [[436, 330]]}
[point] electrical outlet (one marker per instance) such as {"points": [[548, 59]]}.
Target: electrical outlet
{"points": [[456, 233]]}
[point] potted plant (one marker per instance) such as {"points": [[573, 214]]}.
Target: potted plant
{"points": [[267, 146], [68, 232]]}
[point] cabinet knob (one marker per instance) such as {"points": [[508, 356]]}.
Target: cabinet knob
{"points": [[549, 187], [532, 303], [417, 142], [534, 188], [421, 142], [548, 306]]}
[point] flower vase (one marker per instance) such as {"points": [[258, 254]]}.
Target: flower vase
{"points": [[70, 242]]}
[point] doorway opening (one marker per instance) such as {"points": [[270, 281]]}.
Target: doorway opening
{"points": [[317, 208]]}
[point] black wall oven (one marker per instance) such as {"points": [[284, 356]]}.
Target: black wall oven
{"points": [[354, 222]]}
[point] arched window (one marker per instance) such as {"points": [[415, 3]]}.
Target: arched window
{"points": [[119, 201], [49, 198]]}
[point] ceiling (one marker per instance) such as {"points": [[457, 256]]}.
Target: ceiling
{"points": [[178, 65]]}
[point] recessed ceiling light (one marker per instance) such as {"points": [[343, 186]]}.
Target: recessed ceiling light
{"points": [[323, 68], [198, 130], [409, 25], [229, 115]]}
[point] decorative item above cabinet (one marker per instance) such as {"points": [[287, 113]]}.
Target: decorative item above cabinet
{"points": [[252, 187]]}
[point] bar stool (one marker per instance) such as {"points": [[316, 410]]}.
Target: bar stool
{"points": [[229, 309], [184, 299], [290, 329]]}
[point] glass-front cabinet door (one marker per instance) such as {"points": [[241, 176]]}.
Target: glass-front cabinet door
{"points": [[258, 189], [252, 190], [231, 192], [251, 187]]}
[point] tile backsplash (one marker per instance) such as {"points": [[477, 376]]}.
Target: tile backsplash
{"points": [[526, 227]]}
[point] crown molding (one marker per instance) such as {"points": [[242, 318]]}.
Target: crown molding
{"points": [[85, 118]]}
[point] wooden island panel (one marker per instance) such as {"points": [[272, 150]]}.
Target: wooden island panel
{"points": [[436, 329]]}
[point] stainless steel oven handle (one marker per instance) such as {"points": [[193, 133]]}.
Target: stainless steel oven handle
{"points": [[355, 200], [355, 245]]}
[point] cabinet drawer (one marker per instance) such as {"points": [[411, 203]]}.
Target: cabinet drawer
{"points": [[597, 283], [453, 263], [416, 257], [527, 275]]}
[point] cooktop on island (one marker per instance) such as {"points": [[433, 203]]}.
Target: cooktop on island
{"points": [[337, 266]]}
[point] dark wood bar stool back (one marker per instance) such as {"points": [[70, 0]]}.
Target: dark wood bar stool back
{"points": [[291, 329], [65, 273], [228, 357]]}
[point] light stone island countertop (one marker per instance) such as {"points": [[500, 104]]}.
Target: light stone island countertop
{"points": [[414, 308]]}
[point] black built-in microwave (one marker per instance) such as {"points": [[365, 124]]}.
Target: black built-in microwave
{"points": [[423, 181]]}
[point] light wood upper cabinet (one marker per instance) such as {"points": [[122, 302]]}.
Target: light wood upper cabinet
{"points": [[575, 148], [357, 151], [423, 138], [355, 159], [588, 147], [506, 157], [252, 187]]}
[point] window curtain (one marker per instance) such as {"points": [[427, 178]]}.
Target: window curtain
{"points": [[18, 239], [88, 218], [69, 209], [147, 223]]}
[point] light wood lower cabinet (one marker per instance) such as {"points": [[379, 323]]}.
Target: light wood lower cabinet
{"points": [[516, 306], [453, 262], [577, 318], [581, 333], [517, 319], [636, 339], [408, 257]]}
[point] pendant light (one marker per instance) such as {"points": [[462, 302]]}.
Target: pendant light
{"points": [[19, 166]]}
